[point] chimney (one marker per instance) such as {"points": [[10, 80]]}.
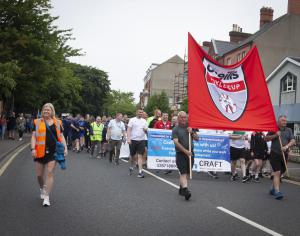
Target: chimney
{"points": [[294, 7], [206, 44], [237, 35], [266, 16]]}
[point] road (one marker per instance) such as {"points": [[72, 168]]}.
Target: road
{"points": [[94, 197]]}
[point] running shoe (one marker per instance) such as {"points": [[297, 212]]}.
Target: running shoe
{"points": [[278, 195], [245, 179], [141, 175], [256, 180], [186, 193], [212, 174], [46, 201], [42, 193], [272, 191]]}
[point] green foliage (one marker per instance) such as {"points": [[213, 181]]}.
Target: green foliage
{"points": [[95, 89], [8, 73], [118, 101], [28, 37], [158, 101], [184, 105]]}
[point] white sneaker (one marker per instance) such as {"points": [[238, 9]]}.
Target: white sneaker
{"points": [[20, 139], [46, 201], [42, 193]]}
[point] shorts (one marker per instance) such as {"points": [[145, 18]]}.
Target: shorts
{"points": [[277, 162], [237, 153], [137, 147], [259, 155], [248, 156], [146, 143], [182, 162]]}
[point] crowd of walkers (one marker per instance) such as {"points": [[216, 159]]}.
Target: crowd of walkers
{"points": [[102, 138], [12, 124]]}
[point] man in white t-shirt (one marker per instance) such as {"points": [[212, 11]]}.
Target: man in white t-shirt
{"points": [[137, 128], [116, 132]]}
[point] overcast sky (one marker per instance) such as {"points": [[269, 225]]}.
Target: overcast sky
{"points": [[123, 37]]}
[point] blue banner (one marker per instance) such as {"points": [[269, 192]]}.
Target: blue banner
{"points": [[211, 151]]}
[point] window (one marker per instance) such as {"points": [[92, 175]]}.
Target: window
{"points": [[229, 61], [288, 83], [243, 54]]}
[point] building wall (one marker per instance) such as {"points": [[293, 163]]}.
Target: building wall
{"points": [[233, 56], [279, 42], [274, 83], [287, 107], [163, 77]]}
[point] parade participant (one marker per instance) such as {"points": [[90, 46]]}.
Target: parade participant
{"points": [[259, 148], [153, 119], [145, 116], [277, 151], [137, 127], [11, 126], [164, 123], [76, 133], [96, 137], [21, 123], [87, 137], [66, 122], [180, 137], [116, 133], [3, 122], [81, 132], [237, 152], [43, 147], [104, 144]]}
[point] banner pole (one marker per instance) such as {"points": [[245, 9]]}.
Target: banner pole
{"points": [[284, 159], [190, 157]]}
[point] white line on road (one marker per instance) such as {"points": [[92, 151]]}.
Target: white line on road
{"points": [[4, 167], [157, 177], [250, 222]]}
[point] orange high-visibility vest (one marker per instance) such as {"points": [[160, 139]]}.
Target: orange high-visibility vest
{"points": [[40, 135]]}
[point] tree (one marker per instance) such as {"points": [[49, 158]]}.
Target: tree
{"points": [[39, 50], [95, 89], [158, 101], [184, 105], [118, 101]]}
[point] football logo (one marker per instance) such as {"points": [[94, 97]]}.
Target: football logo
{"points": [[227, 88]]}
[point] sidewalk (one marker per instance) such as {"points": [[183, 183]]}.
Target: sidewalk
{"points": [[7, 146]]}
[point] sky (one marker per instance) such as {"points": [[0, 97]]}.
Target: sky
{"points": [[124, 37]]}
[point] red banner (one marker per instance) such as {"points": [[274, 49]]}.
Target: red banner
{"points": [[234, 97]]}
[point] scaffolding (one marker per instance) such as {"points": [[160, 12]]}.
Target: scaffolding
{"points": [[180, 85]]}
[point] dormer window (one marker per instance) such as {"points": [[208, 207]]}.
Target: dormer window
{"points": [[288, 83]]}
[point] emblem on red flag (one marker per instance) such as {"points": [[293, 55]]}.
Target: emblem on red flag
{"points": [[227, 88]]}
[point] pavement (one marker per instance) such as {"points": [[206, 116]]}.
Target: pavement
{"points": [[94, 197]]}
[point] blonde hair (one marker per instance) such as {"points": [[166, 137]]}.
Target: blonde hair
{"points": [[51, 107]]}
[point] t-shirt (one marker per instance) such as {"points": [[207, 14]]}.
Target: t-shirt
{"points": [[137, 128], [161, 125], [116, 129], [238, 143], [286, 136], [182, 134]]}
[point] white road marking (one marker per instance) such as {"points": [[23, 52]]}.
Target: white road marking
{"points": [[157, 177], [250, 222], [4, 167]]}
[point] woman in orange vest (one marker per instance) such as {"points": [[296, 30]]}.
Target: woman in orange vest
{"points": [[43, 148]]}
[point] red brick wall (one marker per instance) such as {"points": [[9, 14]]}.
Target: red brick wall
{"points": [[294, 7]]}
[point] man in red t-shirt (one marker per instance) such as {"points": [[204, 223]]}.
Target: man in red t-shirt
{"points": [[163, 123]]}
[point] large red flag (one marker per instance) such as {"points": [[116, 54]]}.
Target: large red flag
{"points": [[232, 97]]}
